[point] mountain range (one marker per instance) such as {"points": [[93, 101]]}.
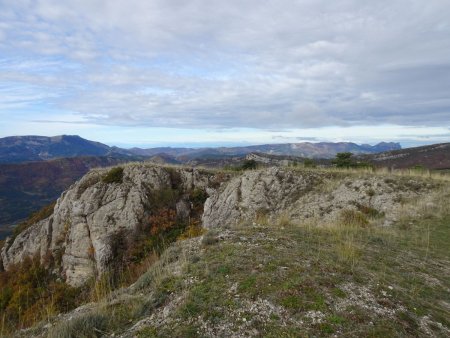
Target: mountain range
{"points": [[17, 149]]}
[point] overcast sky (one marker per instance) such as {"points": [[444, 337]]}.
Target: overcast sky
{"points": [[166, 72]]}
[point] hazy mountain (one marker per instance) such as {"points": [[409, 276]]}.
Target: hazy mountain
{"points": [[305, 149], [16, 149], [436, 156], [162, 150]]}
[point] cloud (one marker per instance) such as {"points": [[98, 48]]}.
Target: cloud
{"points": [[226, 64], [294, 139]]}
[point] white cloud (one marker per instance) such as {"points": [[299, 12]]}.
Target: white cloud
{"points": [[226, 64]]}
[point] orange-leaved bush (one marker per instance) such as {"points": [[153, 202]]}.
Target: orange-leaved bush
{"points": [[162, 221]]}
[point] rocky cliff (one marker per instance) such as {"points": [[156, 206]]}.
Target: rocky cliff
{"points": [[78, 234], [86, 216]]}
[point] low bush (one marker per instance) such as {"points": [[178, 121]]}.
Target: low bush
{"points": [[198, 196], [309, 163], [115, 175], [368, 211], [262, 216], [163, 198], [175, 177], [193, 230], [162, 221], [284, 220], [249, 165]]}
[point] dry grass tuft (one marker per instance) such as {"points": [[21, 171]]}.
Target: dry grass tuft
{"points": [[284, 220], [352, 218]]}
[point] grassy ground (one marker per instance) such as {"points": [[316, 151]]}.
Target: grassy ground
{"points": [[302, 282]]}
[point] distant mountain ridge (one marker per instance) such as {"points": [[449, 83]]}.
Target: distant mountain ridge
{"points": [[304, 149], [17, 149], [435, 156]]}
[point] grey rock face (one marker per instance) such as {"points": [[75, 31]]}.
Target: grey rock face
{"points": [[303, 196], [90, 212], [267, 192]]}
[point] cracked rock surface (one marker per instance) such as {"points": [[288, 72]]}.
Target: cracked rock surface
{"points": [[90, 212], [303, 196]]}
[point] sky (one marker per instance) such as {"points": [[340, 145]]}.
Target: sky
{"points": [[234, 72]]}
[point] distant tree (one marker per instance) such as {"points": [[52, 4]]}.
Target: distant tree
{"points": [[249, 164], [344, 160]]}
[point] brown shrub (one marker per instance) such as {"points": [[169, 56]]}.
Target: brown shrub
{"points": [[162, 221]]}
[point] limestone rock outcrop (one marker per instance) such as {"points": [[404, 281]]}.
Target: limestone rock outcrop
{"points": [[256, 193], [307, 196], [85, 217]]}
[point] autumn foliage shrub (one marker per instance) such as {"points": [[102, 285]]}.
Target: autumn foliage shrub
{"points": [[162, 221], [29, 292]]}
